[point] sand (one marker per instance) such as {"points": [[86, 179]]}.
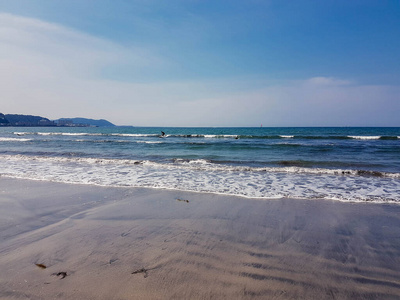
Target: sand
{"points": [[211, 247]]}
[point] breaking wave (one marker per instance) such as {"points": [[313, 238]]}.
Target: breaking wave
{"points": [[202, 165], [4, 139], [216, 136], [201, 175]]}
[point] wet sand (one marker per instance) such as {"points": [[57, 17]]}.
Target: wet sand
{"points": [[211, 247]]}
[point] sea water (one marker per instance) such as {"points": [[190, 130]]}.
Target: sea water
{"points": [[348, 164]]}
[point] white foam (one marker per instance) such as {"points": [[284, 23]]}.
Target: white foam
{"points": [[134, 134], [67, 133], [4, 139], [205, 165], [195, 162], [287, 136], [204, 176], [220, 136], [77, 133], [361, 137]]}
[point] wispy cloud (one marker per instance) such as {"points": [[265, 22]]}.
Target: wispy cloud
{"points": [[62, 50], [327, 81]]}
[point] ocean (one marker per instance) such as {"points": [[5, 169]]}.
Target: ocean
{"points": [[346, 164]]}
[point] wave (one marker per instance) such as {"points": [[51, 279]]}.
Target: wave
{"points": [[216, 136], [204, 176], [149, 142], [295, 167], [58, 133], [21, 133], [209, 165], [63, 159], [184, 161], [220, 136], [117, 141], [361, 137], [4, 139], [134, 135]]}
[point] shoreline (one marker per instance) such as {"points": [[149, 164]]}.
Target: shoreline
{"points": [[213, 246], [244, 197]]}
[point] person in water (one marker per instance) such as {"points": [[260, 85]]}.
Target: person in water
{"points": [[162, 133]]}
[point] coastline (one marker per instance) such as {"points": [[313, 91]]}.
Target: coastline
{"points": [[213, 246]]}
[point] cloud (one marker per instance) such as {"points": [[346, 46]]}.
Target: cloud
{"points": [[326, 81], [64, 50], [54, 71]]}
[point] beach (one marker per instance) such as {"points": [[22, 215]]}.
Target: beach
{"points": [[199, 150], [140, 243]]}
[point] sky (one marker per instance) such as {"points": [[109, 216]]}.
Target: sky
{"points": [[203, 63]]}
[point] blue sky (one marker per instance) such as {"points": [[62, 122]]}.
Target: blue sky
{"points": [[203, 63]]}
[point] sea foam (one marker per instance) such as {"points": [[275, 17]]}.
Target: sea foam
{"points": [[4, 139], [204, 176], [364, 137]]}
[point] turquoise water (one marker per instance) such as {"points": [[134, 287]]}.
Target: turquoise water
{"points": [[349, 164]]}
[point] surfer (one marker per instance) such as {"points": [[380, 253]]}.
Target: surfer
{"points": [[162, 133]]}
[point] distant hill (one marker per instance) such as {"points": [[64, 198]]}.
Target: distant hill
{"points": [[32, 121], [24, 120], [83, 121], [3, 120]]}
